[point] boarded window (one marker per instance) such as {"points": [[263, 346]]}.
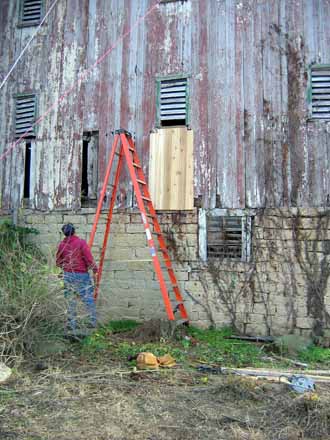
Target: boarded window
{"points": [[223, 236], [171, 168], [320, 92], [172, 97], [89, 167], [25, 115], [31, 12]]}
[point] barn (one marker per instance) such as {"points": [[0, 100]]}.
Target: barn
{"points": [[228, 102]]}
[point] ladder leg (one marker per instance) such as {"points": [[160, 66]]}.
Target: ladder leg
{"points": [[151, 243], [103, 191], [108, 224], [157, 230]]}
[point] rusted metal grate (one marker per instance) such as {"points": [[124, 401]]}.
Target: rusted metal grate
{"points": [[320, 85], [31, 12], [173, 100], [25, 114], [224, 237]]}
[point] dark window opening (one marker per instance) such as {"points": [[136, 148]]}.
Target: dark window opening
{"points": [[89, 168], [224, 237], [174, 123], [84, 172], [172, 1], [27, 171], [172, 102]]}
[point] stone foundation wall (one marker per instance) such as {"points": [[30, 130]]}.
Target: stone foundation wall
{"points": [[283, 289]]}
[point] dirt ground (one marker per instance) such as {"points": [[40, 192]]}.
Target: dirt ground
{"points": [[75, 400]]}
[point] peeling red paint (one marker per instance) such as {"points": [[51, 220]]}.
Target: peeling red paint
{"points": [[245, 58]]}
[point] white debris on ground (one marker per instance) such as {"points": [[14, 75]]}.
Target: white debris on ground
{"points": [[5, 373]]}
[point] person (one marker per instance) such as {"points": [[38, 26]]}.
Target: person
{"points": [[74, 257]]}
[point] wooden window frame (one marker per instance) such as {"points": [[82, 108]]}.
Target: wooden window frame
{"points": [[31, 23], [309, 92], [159, 80], [246, 219], [17, 97]]}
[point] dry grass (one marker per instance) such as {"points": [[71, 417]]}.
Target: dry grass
{"points": [[72, 399]]}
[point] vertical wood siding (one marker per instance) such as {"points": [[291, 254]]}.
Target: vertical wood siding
{"points": [[247, 60]]}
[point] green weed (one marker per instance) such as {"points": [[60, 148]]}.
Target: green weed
{"points": [[207, 346], [315, 355], [30, 295], [100, 339], [212, 346]]}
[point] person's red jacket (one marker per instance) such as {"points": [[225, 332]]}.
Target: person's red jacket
{"points": [[74, 255]]}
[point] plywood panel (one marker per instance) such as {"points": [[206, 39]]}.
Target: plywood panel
{"points": [[171, 168]]}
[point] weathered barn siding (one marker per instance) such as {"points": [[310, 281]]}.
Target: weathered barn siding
{"points": [[248, 60]]}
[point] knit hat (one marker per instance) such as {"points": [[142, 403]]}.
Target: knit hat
{"points": [[68, 229]]}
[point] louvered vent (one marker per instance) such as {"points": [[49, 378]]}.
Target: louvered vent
{"points": [[31, 12], [173, 102], [224, 237], [320, 92], [25, 114]]}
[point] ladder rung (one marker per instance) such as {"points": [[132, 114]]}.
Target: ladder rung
{"points": [[163, 268]]}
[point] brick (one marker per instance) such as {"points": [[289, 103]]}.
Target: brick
{"points": [[182, 276], [305, 323], [91, 218], [117, 253], [191, 240], [121, 218], [188, 228], [143, 253], [135, 218], [143, 275], [135, 228], [164, 218], [117, 266], [75, 219], [43, 228], [131, 240], [116, 228], [35, 218], [54, 218], [107, 275]]}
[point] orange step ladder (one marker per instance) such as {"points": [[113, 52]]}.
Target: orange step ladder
{"points": [[123, 147]]}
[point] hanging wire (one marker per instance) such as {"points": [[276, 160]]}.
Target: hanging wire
{"points": [[27, 45], [82, 77]]}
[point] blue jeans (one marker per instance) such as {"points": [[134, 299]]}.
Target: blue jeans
{"points": [[79, 286]]}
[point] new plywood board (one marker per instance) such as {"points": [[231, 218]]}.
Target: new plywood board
{"points": [[171, 168]]}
